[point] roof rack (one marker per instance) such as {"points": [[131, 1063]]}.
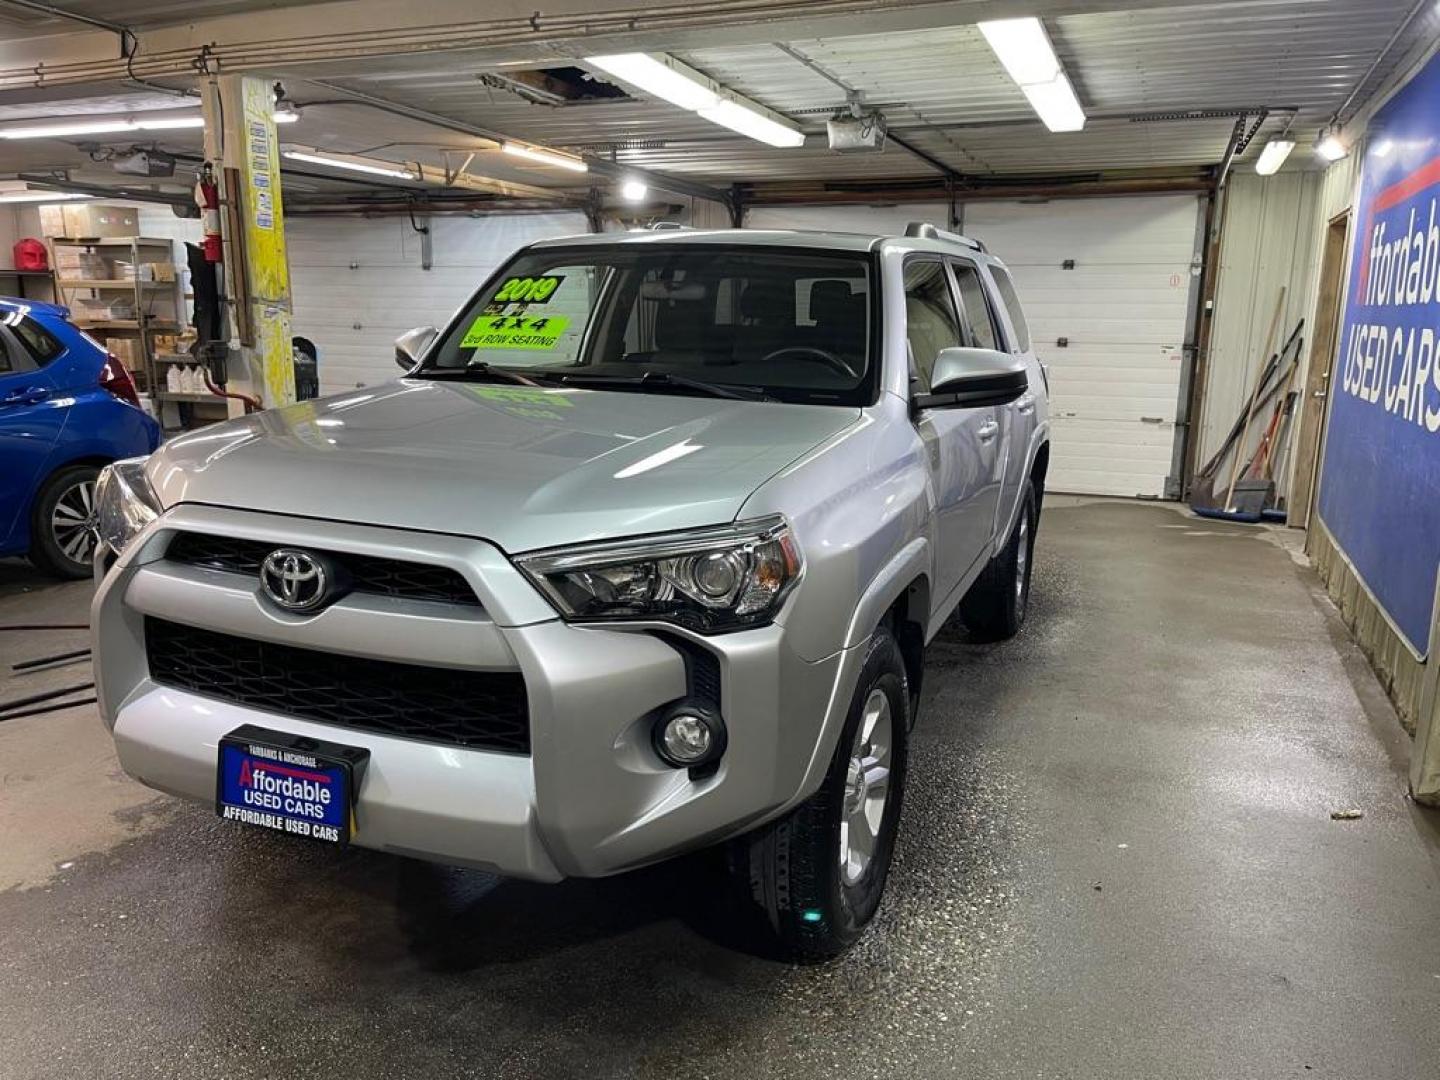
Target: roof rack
{"points": [[924, 230]]}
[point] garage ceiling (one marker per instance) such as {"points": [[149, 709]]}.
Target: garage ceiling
{"points": [[1135, 67]]}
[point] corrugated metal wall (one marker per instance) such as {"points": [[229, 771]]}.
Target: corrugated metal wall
{"points": [[1270, 240]]}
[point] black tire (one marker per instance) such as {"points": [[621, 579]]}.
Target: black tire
{"points": [[994, 608], [804, 905], [62, 533]]}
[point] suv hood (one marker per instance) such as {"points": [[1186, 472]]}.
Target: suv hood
{"points": [[523, 468]]}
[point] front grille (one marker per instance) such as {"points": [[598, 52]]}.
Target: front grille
{"points": [[477, 709], [367, 573]]}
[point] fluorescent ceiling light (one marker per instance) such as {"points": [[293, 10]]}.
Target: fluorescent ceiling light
{"points": [[1331, 148], [1023, 47], [545, 157], [373, 166], [668, 79], [633, 190], [40, 196], [657, 77], [171, 123], [1055, 104], [1024, 50], [60, 129], [1274, 155], [756, 125]]}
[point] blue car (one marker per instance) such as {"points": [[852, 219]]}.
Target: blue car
{"points": [[67, 408]]}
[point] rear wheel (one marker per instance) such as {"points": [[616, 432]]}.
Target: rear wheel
{"points": [[814, 878], [62, 525], [995, 606]]}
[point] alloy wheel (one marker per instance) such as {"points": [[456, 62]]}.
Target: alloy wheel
{"points": [[72, 523], [1022, 558], [867, 788]]}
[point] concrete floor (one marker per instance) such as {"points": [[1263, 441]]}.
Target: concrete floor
{"points": [[1117, 861]]}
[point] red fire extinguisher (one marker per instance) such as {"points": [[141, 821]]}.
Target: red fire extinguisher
{"points": [[207, 197]]}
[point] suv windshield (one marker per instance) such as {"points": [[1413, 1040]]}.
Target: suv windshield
{"points": [[775, 322]]}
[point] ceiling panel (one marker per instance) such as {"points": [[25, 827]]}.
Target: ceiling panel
{"points": [[941, 90]]}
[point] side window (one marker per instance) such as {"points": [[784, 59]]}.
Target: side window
{"points": [[6, 364], [1012, 305], [41, 343], [930, 322], [977, 311]]}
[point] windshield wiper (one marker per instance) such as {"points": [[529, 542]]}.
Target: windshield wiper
{"points": [[659, 379], [483, 371]]}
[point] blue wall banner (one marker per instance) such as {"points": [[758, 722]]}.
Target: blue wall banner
{"points": [[1380, 485]]}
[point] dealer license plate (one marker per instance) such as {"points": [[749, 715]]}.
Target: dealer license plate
{"points": [[288, 783]]}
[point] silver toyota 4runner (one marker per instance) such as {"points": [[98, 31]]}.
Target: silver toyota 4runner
{"points": [[640, 556]]}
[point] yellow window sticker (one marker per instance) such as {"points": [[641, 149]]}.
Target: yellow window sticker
{"points": [[518, 290], [514, 332]]}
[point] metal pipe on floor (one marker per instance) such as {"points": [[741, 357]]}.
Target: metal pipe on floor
{"points": [[41, 661], [48, 695]]}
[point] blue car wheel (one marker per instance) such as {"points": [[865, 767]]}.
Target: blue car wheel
{"points": [[62, 536]]}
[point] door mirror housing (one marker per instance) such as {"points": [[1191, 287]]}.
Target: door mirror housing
{"points": [[965, 378], [411, 345]]}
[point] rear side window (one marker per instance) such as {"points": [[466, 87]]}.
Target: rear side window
{"points": [[1012, 305], [41, 344], [930, 322], [977, 310], [6, 364]]}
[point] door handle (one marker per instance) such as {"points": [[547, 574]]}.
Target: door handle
{"points": [[28, 396], [988, 430], [1025, 404]]}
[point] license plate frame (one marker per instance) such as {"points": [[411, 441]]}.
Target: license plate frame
{"points": [[296, 785]]}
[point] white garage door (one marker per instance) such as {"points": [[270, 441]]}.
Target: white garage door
{"points": [[1115, 385], [357, 284]]}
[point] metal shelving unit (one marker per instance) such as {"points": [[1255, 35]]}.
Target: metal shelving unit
{"points": [[146, 296], [26, 280]]}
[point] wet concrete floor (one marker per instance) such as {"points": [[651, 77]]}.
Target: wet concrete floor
{"points": [[1117, 861]]}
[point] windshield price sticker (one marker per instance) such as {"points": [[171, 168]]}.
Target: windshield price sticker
{"points": [[514, 332], [524, 290]]}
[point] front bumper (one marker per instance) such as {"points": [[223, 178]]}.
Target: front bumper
{"points": [[591, 798]]}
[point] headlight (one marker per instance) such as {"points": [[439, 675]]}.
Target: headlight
{"points": [[125, 503], [709, 580]]}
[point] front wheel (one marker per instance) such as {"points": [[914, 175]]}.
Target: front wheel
{"points": [[62, 528], [815, 877]]}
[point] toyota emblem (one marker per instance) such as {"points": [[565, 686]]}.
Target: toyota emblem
{"points": [[294, 580]]}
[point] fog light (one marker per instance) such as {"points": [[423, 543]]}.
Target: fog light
{"points": [[689, 734], [687, 739]]}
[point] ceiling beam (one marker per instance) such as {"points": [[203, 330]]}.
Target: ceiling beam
{"points": [[661, 181], [838, 193]]}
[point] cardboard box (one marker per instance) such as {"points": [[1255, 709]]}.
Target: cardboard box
{"points": [[74, 263], [52, 220], [155, 271], [86, 220], [127, 349], [102, 310]]}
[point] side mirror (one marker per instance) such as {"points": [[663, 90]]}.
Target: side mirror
{"points": [[411, 345], [974, 378]]}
